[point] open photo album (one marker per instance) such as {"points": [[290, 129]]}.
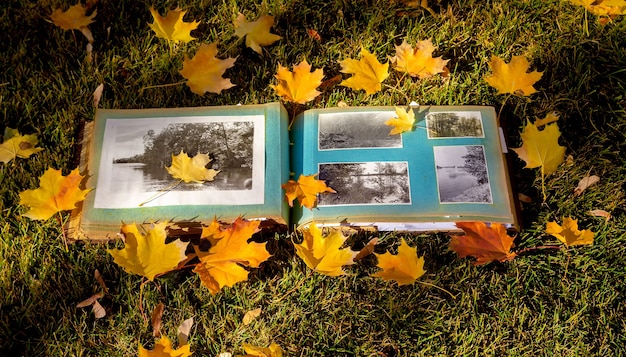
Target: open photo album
{"points": [[450, 168]]}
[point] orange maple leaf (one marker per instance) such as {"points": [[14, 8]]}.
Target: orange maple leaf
{"points": [[299, 86], [204, 71], [55, 193], [163, 348], [257, 33], [191, 169], [368, 73], [324, 254], [223, 264], [485, 243], [418, 62], [172, 27], [74, 18], [305, 190], [512, 78], [405, 267], [17, 145], [569, 233], [403, 122]]}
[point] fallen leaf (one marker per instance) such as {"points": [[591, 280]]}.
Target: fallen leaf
{"points": [[324, 255], [97, 309], [418, 62], [541, 148], [404, 268], [603, 8], [97, 94], [512, 78], [314, 34], [299, 86], [163, 348], [100, 281], [600, 213], [485, 243], [257, 33], [273, 350], [74, 18], [190, 169], [584, 183], [249, 316], [184, 330], [367, 250], [148, 255], [549, 118], [421, 3], [17, 145], [204, 71], [368, 73], [223, 265], [524, 198], [403, 122], [305, 190], [569, 233], [157, 319], [172, 27], [55, 193]]}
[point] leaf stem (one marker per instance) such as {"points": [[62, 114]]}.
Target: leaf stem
{"points": [[502, 107], [161, 192], [295, 287], [162, 85], [60, 220], [437, 287]]}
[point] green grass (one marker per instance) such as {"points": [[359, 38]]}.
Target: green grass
{"points": [[569, 302]]}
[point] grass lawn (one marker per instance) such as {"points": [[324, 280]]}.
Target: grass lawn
{"points": [[566, 302]]}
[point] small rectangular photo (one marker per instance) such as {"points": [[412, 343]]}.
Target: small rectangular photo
{"points": [[355, 130], [365, 183], [454, 125], [136, 152], [462, 175]]}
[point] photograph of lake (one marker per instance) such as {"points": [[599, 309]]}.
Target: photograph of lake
{"points": [[462, 175], [356, 130]]}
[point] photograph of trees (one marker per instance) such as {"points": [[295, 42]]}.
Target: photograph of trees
{"points": [[366, 183], [356, 130], [454, 124], [462, 174]]}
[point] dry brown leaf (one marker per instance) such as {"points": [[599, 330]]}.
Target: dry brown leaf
{"points": [[600, 213], [97, 94], [584, 183], [367, 250], [156, 319], [183, 331], [251, 315]]}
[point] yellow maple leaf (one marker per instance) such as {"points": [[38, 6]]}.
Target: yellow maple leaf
{"points": [[368, 73], [403, 122], [549, 118], [73, 19], [163, 348], [204, 71], [17, 145], [405, 267], [305, 190], [190, 169], [148, 255], [569, 233], [418, 62], [223, 264], [55, 193], [541, 148], [300, 85], [172, 27], [273, 350], [512, 78], [324, 254], [603, 8], [257, 33]]}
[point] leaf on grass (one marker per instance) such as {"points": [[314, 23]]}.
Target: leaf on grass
{"points": [[541, 148], [17, 145], [368, 73], [55, 193], [100, 280], [97, 94], [148, 255], [367, 250], [603, 8], [569, 233], [300, 85], [163, 348], [485, 243], [273, 350], [190, 169], [404, 268], [584, 183], [257, 33], [600, 213], [204, 71], [403, 122], [172, 27], [157, 319], [512, 78], [324, 255], [97, 309], [74, 18], [184, 330], [249, 316], [549, 118], [418, 62], [223, 265], [305, 190]]}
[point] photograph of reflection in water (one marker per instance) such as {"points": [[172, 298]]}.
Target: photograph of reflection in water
{"points": [[462, 175], [141, 155]]}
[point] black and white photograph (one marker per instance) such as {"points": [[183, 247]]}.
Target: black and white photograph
{"points": [[356, 130], [462, 175], [365, 183], [136, 153], [454, 124]]}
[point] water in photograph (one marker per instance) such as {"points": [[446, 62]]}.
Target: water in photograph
{"points": [[453, 182]]}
